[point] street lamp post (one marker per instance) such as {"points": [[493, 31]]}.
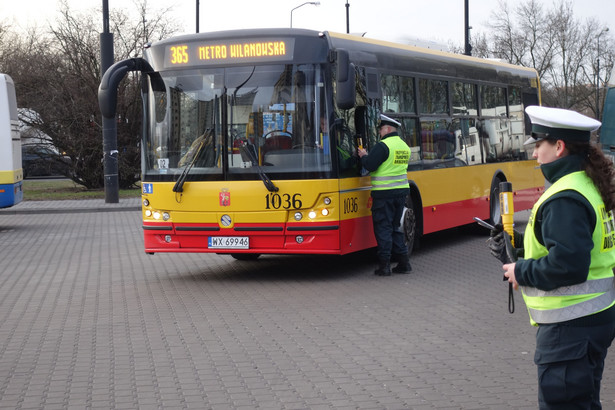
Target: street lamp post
{"points": [[604, 30], [467, 28], [347, 17], [197, 15], [315, 3], [110, 152]]}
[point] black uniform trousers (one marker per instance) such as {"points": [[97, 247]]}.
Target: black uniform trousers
{"points": [[386, 216], [570, 362]]}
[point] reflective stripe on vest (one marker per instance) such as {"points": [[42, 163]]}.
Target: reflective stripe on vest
{"points": [[595, 294], [399, 181], [392, 173], [587, 287], [581, 309]]}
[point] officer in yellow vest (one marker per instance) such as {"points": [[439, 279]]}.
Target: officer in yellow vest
{"points": [[388, 165], [566, 274]]}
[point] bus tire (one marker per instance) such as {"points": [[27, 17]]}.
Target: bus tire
{"points": [[495, 213], [409, 226], [245, 256]]}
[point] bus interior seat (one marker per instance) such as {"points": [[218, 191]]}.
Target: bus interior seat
{"points": [[277, 142]]}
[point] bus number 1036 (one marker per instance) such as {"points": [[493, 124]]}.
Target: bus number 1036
{"points": [[351, 205], [284, 201]]}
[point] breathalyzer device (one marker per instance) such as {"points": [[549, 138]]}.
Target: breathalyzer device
{"points": [[507, 211]]}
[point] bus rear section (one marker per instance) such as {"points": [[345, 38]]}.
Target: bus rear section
{"points": [[11, 174]]}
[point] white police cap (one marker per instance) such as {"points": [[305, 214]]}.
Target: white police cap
{"points": [[384, 120], [559, 124]]}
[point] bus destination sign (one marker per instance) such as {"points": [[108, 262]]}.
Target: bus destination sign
{"points": [[204, 53]]}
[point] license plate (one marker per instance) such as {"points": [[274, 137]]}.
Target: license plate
{"points": [[228, 242]]}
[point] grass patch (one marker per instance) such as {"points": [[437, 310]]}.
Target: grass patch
{"points": [[60, 189]]}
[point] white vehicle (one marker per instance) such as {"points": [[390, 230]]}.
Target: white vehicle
{"points": [[11, 173]]}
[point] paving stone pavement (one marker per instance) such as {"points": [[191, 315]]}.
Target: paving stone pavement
{"points": [[88, 320]]}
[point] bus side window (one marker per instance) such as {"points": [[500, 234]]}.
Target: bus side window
{"points": [[345, 148], [528, 99], [360, 116]]}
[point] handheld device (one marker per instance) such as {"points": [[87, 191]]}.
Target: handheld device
{"points": [[483, 223], [507, 211]]}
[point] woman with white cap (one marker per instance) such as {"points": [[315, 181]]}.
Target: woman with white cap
{"points": [[566, 274]]}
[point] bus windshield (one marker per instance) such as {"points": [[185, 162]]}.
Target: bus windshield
{"points": [[226, 123]]}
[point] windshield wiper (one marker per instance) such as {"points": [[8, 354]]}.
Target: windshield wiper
{"points": [[266, 180], [179, 184]]}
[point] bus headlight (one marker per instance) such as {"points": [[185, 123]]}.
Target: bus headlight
{"points": [[145, 202], [166, 216], [148, 213], [298, 216], [324, 212], [156, 215], [312, 215], [327, 201]]}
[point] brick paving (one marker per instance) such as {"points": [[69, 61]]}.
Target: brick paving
{"points": [[88, 320]]}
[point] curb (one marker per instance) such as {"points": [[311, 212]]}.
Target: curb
{"points": [[10, 211], [72, 206]]}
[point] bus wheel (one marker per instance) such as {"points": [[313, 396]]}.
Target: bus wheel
{"points": [[409, 226], [495, 213], [245, 256]]}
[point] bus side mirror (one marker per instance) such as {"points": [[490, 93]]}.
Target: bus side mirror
{"points": [[345, 81], [343, 65]]}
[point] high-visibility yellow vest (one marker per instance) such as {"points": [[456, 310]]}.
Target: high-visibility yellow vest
{"points": [[598, 292], [393, 173]]}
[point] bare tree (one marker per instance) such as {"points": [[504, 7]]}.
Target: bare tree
{"points": [[57, 74], [593, 78], [505, 38], [562, 49], [132, 34], [521, 37], [4, 33], [563, 75]]}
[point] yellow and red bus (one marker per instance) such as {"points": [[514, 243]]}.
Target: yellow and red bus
{"points": [[250, 139]]}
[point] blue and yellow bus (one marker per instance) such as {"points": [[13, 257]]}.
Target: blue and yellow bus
{"points": [[250, 139], [11, 174]]}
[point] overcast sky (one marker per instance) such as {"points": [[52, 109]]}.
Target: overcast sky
{"points": [[438, 21]]}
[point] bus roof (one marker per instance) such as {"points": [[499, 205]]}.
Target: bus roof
{"points": [[314, 46], [425, 60]]}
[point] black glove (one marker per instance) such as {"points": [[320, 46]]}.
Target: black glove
{"points": [[497, 247], [497, 231], [497, 244]]}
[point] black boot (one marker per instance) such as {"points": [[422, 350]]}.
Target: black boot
{"points": [[404, 265], [384, 268]]}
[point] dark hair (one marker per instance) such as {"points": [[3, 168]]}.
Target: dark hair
{"points": [[599, 168]]}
